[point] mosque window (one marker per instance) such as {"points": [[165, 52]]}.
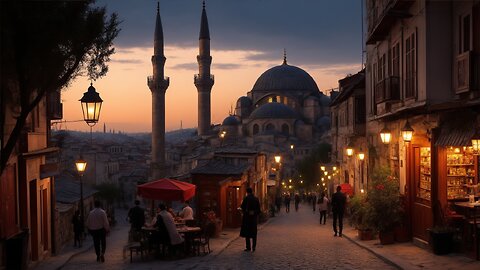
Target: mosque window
{"points": [[270, 99], [255, 129], [285, 129], [270, 127]]}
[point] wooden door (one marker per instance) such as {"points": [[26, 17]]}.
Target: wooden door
{"points": [[233, 202], [34, 219], [421, 208]]}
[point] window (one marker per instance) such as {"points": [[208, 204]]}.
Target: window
{"points": [[395, 52], [381, 68], [270, 127], [464, 33], [285, 129], [410, 67], [255, 129]]}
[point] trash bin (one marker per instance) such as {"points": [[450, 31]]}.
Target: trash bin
{"points": [[17, 251]]}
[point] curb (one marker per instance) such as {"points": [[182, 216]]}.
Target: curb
{"points": [[75, 254], [383, 258]]}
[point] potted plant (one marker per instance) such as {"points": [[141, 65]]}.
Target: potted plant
{"points": [[441, 235], [359, 211], [386, 207]]}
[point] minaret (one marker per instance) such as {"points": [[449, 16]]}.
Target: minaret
{"points": [[158, 84], [204, 80]]}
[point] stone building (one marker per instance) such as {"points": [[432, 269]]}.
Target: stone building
{"points": [[422, 75]]}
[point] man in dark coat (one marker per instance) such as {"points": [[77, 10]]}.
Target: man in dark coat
{"points": [[136, 216], [251, 210], [338, 208]]}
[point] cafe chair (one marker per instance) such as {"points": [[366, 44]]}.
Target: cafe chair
{"points": [[473, 232], [191, 223], [203, 240]]}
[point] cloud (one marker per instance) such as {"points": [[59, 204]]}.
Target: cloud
{"points": [[312, 31], [226, 66], [127, 61], [186, 66]]}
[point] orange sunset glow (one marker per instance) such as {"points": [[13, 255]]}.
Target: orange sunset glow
{"points": [[127, 99]]}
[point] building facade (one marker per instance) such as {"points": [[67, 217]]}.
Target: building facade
{"points": [[422, 71]]}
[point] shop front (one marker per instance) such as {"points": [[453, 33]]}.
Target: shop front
{"points": [[442, 170]]}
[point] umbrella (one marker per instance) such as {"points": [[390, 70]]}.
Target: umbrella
{"points": [[347, 188], [167, 190]]}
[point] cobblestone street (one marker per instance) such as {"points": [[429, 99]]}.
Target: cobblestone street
{"points": [[288, 241]]}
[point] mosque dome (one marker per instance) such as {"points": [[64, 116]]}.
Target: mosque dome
{"points": [[244, 102], [285, 78], [230, 120], [324, 123], [273, 110]]}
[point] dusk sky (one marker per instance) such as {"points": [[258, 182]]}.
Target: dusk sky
{"points": [[323, 37]]}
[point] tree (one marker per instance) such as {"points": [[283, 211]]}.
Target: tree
{"points": [[309, 168], [45, 45]]}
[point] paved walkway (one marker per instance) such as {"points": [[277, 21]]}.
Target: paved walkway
{"points": [[288, 241]]}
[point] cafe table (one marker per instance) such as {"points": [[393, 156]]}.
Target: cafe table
{"points": [[472, 214], [189, 234]]}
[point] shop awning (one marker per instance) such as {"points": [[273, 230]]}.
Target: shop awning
{"points": [[456, 133]]}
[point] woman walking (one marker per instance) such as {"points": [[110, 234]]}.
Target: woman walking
{"points": [[322, 207]]}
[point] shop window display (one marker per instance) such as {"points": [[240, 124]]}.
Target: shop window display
{"points": [[460, 172], [424, 185]]}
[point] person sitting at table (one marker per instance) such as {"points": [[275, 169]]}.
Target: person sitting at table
{"points": [[187, 211], [170, 210], [167, 218]]}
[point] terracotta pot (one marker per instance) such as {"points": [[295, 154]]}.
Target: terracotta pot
{"points": [[365, 235], [401, 234], [386, 238]]}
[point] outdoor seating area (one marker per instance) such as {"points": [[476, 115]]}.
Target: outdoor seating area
{"points": [[470, 227]]}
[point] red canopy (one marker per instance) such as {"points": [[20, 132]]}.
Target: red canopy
{"points": [[347, 188], [167, 190]]}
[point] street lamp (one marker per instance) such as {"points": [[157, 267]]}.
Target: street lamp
{"points": [[385, 135], [278, 158], [91, 106], [81, 165], [349, 149], [361, 157], [322, 168], [291, 146], [407, 132]]}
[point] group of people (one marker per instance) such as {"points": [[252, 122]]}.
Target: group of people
{"points": [[98, 226]]}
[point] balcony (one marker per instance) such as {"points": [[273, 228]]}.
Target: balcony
{"points": [[163, 84], [387, 90], [382, 15], [207, 80], [463, 72]]}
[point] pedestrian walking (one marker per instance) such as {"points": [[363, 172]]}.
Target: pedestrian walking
{"points": [[314, 201], [339, 201], [250, 209], [287, 203], [77, 229], [278, 203], [136, 217], [297, 201], [97, 224], [322, 207]]}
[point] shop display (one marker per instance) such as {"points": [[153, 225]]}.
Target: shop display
{"points": [[460, 172], [424, 185]]}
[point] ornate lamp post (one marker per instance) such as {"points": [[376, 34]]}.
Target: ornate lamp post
{"points": [[361, 157], [349, 149], [81, 165], [91, 106], [407, 132], [385, 135]]}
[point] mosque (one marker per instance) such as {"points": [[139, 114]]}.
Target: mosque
{"points": [[285, 106]]}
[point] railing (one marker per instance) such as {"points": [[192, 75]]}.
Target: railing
{"points": [[151, 81], [388, 89], [198, 78]]}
